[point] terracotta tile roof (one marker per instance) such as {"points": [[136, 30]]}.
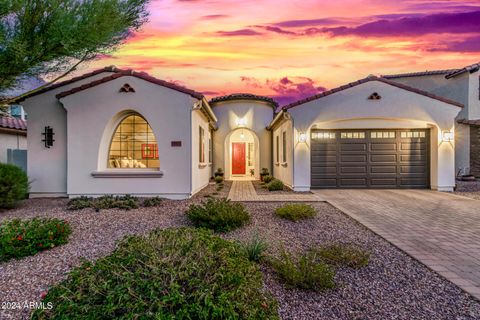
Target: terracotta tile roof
{"points": [[469, 122], [131, 73], [368, 79], [69, 81], [13, 123], [244, 96], [471, 68], [418, 74]]}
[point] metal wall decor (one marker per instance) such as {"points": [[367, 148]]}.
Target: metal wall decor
{"points": [[48, 137]]}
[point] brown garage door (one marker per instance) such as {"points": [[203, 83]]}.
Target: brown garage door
{"points": [[385, 158]]}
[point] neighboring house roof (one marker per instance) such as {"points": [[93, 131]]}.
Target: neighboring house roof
{"points": [[13, 123], [418, 74], [368, 79], [142, 75], [471, 68], [69, 81], [244, 96], [469, 122]]}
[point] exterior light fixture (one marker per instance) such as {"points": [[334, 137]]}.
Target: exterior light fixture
{"points": [[302, 137], [447, 136], [241, 122], [242, 136]]}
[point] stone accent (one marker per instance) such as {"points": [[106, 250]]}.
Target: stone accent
{"points": [[475, 150]]}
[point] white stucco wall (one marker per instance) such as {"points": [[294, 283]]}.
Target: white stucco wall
{"points": [[258, 115], [92, 117], [11, 141], [201, 172], [47, 167], [398, 108], [473, 95], [283, 170]]}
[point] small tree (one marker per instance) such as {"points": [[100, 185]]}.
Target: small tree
{"points": [[43, 36], [13, 185]]}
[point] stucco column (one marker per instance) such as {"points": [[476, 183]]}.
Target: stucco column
{"points": [[445, 170], [301, 163]]}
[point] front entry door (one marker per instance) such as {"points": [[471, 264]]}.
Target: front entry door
{"points": [[238, 158]]}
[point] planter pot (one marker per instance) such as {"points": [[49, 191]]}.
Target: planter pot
{"points": [[219, 174]]}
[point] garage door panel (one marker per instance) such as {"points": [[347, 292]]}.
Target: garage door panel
{"points": [[389, 158]]}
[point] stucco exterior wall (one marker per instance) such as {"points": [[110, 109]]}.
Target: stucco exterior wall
{"points": [[47, 167], [11, 141], [398, 108], [474, 95], [257, 115], [283, 170], [92, 118], [201, 172]]}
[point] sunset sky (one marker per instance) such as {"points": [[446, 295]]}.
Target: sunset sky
{"points": [[290, 49]]}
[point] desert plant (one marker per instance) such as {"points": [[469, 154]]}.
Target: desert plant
{"points": [[275, 185], [80, 203], [219, 179], [345, 255], [105, 202], [219, 172], [304, 271], [218, 214], [268, 178], [264, 172], [295, 211], [180, 273], [152, 202], [21, 238], [13, 185], [126, 202], [254, 247]]}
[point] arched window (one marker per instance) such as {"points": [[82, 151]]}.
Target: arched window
{"points": [[133, 145]]}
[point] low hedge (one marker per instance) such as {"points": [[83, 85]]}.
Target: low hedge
{"points": [[171, 274], [21, 238], [218, 214], [344, 255], [126, 202], [275, 185], [14, 185], [295, 211]]}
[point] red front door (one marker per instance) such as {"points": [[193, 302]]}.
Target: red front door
{"points": [[238, 158]]}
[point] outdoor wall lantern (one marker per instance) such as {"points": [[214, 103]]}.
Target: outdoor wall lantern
{"points": [[241, 122], [302, 137], [447, 136], [48, 137]]}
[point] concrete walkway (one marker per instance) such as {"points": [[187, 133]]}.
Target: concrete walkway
{"points": [[244, 191], [439, 229]]}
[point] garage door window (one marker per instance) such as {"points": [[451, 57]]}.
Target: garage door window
{"points": [[412, 134], [352, 135], [382, 135], [323, 135]]}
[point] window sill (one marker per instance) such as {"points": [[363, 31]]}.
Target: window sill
{"points": [[284, 164], [277, 164], [202, 165], [120, 173]]}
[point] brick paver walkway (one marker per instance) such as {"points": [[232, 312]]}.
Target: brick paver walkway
{"points": [[439, 229], [244, 191]]}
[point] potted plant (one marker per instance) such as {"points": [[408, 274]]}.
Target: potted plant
{"points": [[252, 172], [219, 172], [264, 173]]}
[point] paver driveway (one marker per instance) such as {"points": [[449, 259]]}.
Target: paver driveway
{"points": [[441, 230]]}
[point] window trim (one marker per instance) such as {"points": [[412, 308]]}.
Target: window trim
{"points": [[201, 145], [284, 147], [277, 148]]}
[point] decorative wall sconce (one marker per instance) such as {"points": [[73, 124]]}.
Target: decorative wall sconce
{"points": [[241, 122], [48, 137], [302, 137], [447, 136]]}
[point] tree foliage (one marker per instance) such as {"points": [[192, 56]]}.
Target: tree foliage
{"points": [[42, 36]]}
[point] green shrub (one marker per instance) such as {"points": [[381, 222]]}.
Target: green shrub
{"points": [[14, 185], [21, 238], [80, 203], [171, 274], [296, 211], [219, 179], [126, 202], [218, 214], [254, 248], [305, 271], [275, 185], [343, 255], [219, 172], [152, 202], [268, 179]]}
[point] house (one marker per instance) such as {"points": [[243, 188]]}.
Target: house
{"points": [[13, 141], [114, 131]]}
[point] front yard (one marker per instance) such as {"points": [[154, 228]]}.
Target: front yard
{"points": [[392, 285]]}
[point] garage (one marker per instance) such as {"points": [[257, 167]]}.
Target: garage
{"points": [[373, 158]]}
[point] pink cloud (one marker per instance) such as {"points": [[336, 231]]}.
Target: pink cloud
{"points": [[240, 32]]}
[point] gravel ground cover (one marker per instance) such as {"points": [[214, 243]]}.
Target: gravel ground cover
{"points": [[392, 286], [469, 189]]}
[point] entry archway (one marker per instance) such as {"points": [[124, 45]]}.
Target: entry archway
{"points": [[242, 154]]}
